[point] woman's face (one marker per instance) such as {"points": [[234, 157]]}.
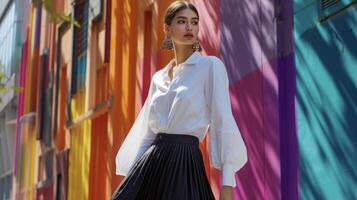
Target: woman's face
{"points": [[183, 29]]}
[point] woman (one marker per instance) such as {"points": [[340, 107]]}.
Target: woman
{"points": [[160, 156]]}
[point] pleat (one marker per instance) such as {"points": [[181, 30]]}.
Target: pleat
{"points": [[168, 170]]}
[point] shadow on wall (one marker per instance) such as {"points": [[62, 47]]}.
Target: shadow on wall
{"points": [[326, 60], [248, 48]]}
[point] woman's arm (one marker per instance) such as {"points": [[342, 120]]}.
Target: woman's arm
{"points": [[228, 152], [138, 140]]}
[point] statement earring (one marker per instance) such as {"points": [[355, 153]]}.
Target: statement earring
{"points": [[167, 43], [196, 46]]}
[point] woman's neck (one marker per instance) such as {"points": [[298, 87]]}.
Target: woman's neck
{"points": [[182, 52]]}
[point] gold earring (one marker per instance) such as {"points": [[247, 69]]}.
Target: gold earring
{"points": [[196, 46], [167, 43]]}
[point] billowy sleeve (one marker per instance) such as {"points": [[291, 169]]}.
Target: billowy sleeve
{"points": [[137, 141], [228, 152]]}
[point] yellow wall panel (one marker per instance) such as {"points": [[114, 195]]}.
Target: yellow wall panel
{"points": [[78, 176]]}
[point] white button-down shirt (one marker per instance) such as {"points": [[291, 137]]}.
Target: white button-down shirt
{"points": [[195, 99]]}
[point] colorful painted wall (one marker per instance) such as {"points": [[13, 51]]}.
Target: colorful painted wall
{"points": [[82, 99], [326, 59], [26, 155], [84, 86], [246, 38]]}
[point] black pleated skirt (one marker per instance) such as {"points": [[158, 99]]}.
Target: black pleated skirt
{"points": [[171, 169]]}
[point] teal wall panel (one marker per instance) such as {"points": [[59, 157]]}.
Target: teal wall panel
{"points": [[326, 63]]}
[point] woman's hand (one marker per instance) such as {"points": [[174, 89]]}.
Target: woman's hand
{"points": [[226, 193]]}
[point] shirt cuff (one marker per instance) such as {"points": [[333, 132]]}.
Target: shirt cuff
{"points": [[228, 175]]}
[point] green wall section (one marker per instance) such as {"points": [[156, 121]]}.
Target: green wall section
{"points": [[326, 63]]}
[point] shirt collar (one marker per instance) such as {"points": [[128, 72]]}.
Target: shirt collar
{"points": [[191, 60]]}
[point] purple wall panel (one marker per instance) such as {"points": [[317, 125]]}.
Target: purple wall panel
{"points": [[240, 39], [250, 48], [247, 106], [256, 110], [272, 165], [38, 28], [288, 136]]}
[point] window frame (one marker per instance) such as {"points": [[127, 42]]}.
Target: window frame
{"points": [[334, 9]]}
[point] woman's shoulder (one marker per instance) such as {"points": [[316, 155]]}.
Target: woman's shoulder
{"points": [[212, 61], [158, 75]]}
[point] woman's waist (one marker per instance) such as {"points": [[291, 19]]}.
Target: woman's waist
{"points": [[176, 138], [199, 132]]}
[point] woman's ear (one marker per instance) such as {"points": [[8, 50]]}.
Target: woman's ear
{"points": [[166, 29]]}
